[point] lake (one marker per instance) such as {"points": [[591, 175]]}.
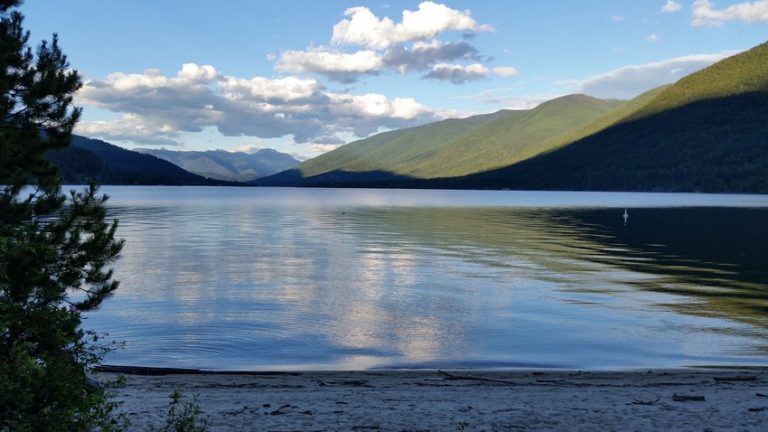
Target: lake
{"points": [[285, 279]]}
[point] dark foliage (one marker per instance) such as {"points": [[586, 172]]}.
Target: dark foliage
{"points": [[95, 160], [54, 252], [714, 145]]}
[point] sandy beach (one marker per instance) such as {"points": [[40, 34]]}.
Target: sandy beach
{"points": [[706, 399]]}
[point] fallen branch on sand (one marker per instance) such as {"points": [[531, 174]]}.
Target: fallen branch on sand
{"points": [[450, 376], [687, 398], [736, 378], [642, 402]]}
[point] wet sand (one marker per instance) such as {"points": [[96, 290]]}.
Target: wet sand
{"points": [[706, 399]]}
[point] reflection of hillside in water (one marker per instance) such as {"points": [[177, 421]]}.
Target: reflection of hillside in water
{"points": [[359, 286], [716, 258]]}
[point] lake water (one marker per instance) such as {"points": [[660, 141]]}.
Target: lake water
{"points": [[279, 278]]}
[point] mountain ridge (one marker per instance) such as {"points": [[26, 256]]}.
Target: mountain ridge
{"points": [[225, 165], [706, 132]]}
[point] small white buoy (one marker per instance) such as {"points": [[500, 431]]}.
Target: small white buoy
{"points": [[625, 216]]}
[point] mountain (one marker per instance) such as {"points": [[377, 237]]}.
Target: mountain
{"points": [[708, 132], [89, 159], [510, 139], [395, 151], [229, 166], [450, 147]]}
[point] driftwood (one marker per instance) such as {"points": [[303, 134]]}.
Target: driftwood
{"points": [[450, 376], [737, 378], [353, 383], [642, 402], [687, 398]]}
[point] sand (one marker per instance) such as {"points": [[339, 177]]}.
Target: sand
{"points": [[671, 400]]}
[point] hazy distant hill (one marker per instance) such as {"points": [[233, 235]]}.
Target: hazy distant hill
{"points": [[91, 159], [707, 132], [224, 165]]}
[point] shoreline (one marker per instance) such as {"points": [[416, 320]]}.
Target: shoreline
{"points": [[695, 399]]}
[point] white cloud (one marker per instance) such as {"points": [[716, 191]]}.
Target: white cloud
{"points": [[430, 19], [131, 127], [457, 74], [505, 71], [347, 67], [245, 148], [318, 149], [629, 81], [422, 55], [336, 65], [157, 108], [671, 6], [705, 14], [653, 38], [617, 18], [407, 46]]}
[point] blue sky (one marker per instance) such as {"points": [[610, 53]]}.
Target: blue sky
{"points": [[303, 76]]}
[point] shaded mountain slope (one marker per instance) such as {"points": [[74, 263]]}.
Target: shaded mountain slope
{"points": [[89, 159], [507, 140], [451, 147], [396, 151], [708, 132]]}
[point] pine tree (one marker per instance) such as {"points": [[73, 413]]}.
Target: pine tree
{"points": [[55, 251]]}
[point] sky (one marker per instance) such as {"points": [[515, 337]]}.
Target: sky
{"points": [[305, 76]]}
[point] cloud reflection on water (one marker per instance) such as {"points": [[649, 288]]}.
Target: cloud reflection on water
{"points": [[355, 282]]}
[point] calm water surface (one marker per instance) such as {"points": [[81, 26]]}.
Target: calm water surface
{"points": [[262, 278]]}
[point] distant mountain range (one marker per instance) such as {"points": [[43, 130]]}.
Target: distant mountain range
{"points": [[228, 166], [707, 132], [89, 159]]}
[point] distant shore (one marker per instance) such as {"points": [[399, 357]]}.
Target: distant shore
{"points": [[701, 399]]}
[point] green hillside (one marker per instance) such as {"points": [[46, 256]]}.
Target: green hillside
{"points": [[740, 74], [396, 150], [452, 147], [507, 140], [708, 132]]}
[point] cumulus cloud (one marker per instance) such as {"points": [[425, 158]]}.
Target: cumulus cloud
{"points": [[422, 55], [505, 71], [457, 74], [335, 65], [347, 67], [245, 148], [131, 127], [407, 46], [430, 19], [157, 108], [671, 6], [460, 74], [629, 81], [706, 15]]}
